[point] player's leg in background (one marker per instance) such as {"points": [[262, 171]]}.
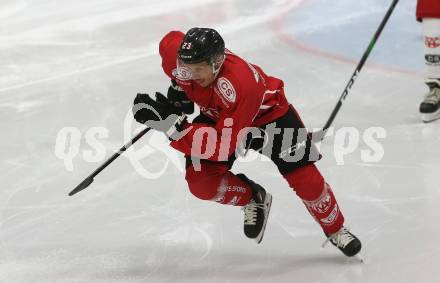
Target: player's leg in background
{"points": [[430, 107]]}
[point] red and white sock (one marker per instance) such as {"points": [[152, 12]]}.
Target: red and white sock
{"points": [[317, 196]]}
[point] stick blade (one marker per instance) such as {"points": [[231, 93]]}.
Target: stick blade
{"points": [[84, 184]]}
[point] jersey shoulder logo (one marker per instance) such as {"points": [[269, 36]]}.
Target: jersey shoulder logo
{"points": [[226, 89]]}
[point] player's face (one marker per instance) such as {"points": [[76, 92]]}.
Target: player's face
{"points": [[201, 73]]}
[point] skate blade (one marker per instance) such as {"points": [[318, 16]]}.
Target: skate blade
{"points": [[268, 204], [427, 118]]}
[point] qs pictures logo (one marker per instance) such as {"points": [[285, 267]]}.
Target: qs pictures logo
{"points": [[150, 156]]}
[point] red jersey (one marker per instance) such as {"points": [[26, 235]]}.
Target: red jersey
{"points": [[428, 9], [241, 91]]}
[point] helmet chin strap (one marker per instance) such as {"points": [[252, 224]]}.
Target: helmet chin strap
{"points": [[215, 70]]}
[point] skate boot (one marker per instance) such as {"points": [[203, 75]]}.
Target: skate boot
{"points": [[430, 107], [256, 212], [345, 241]]}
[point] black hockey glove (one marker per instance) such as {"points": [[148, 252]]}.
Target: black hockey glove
{"points": [[178, 98], [159, 114]]}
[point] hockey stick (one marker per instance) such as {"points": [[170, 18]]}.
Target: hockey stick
{"points": [[87, 181], [321, 133]]}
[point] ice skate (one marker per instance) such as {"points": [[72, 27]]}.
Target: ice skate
{"points": [[430, 107], [348, 243], [257, 211]]}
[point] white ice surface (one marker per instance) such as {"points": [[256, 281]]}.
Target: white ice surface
{"points": [[80, 63]]}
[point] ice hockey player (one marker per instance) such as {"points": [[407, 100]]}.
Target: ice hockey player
{"points": [[234, 96], [428, 12]]}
